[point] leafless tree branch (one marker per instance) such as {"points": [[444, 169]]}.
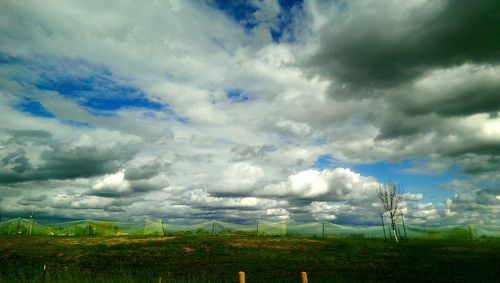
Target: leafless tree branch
{"points": [[390, 196]]}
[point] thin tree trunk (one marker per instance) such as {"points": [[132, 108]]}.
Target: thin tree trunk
{"points": [[393, 224]]}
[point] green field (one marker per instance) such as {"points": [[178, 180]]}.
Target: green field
{"points": [[192, 258]]}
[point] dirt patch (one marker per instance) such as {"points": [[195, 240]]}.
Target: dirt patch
{"points": [[187, 250], [276, 244], [109, 241]]}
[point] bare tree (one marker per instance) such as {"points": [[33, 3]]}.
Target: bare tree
{"points": [[390, 196]]}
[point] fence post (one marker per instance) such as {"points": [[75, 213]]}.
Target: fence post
{"points": [[257, 221], [163, 230], [472, 232], [30, 229], [18, 223], [242, 276], [323, 224], [44, 273], [303, 277], [213, 227]]}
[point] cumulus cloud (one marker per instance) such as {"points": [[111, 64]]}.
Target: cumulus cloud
{"points": [[127, 110], [329, 185], [240, 178]]}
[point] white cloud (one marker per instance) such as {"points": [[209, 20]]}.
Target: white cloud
{"points": [[114, 184], [328, 184], [413, 197], [204, 154]]}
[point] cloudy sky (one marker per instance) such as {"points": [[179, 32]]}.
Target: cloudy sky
{"points": [[274, 110]]}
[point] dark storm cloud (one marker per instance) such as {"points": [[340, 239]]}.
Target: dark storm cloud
{"points": [[375, 49], [245, 152], [62, 162], [22, 136], [83, 161], [76, 201], [395, 124], [474, 164], [132, 188], [482, 202], [132, 181], [146, 171], [478, 147], [481, 97]]}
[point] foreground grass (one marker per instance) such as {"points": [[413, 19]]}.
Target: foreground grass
{"points": [[264, 259]]}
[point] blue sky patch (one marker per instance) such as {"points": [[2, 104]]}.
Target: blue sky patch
{"points": [[284, 21], [110, 104], [91, 86], [240, 11], [76, 124], [34, 108], [386, 171], [237, 95], [243, 12], [99, 93], [323, 162], [7, 59]]}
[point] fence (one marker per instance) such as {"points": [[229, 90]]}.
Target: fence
{"points": [[21, 226]]}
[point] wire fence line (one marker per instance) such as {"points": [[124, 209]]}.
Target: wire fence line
{"points": [[22, 226]]}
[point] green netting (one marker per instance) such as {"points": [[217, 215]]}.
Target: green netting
{"points": [[271, 228], [231, 228], [486, 230], [20, 226]]}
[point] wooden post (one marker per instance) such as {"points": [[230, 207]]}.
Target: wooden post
{"points": [[286, 228], [213, 227], [144, 231], [44, 273], [303, 277], [159, 279], [88, 227], [242, 276], [383, 225], [323, 229], [257, 221]]}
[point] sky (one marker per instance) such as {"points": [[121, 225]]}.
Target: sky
{"points": [[240, 110]]}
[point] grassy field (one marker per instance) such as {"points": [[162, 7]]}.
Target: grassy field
{"points": [[264, 259]]}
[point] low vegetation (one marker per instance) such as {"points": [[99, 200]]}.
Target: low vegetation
{"points": [[196, 258]]}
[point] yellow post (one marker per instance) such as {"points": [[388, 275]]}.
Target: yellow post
{"points": [[242, 277], [303, 276]]}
